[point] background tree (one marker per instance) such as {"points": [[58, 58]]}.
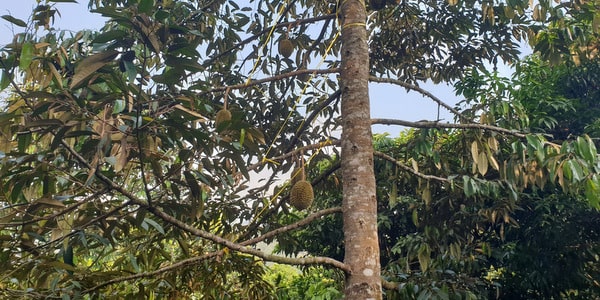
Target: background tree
{"points": [[133, 153], [502, 241]]}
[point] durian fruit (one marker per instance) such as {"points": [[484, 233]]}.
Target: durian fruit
{"points": [[222, 116], [286, 47], [302, 195]]}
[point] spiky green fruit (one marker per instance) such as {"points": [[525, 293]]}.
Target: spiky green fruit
{"points": [[222, 116], [286, 47], [302, 195]]}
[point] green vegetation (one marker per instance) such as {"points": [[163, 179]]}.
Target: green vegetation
{"points": [[148, 159]]}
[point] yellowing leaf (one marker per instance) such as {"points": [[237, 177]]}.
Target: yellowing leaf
{"points": [[482, 163], [415, 166], [91, 64], [190, 112], [50, 202], [474, 151]]}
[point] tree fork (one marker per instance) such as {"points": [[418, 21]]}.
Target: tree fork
{"points": [[360, 203]]}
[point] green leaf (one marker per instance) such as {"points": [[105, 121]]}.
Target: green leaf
{"points": [[14, 20], [145, 6], [26, 55], [109, 36], [4, 80], [188, 64], [592, 191], [153, 224], [119, 106], [573, 171], [424, 256], [585, 147]]}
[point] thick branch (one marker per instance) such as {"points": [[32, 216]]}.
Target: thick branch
{"points": [[207, 235], [193, 260], [241, 248]]}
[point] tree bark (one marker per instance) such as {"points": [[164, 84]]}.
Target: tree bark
{"points": [[359, 203]]}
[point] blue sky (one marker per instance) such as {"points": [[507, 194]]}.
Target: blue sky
{"points": [[387, 101]]}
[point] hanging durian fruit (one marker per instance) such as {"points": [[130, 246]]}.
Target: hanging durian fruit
{"points": [[286, 47], [301, 194], [224, 114]]}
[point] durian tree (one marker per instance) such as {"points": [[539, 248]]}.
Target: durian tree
{"points": [[150, 157], [540, 243]]}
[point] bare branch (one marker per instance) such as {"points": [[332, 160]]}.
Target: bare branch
{"points": [[269, 79], [293, 226], [407, 168], [429, 124], [419, 90]]}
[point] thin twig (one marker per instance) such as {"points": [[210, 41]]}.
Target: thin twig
{"points": [[430, 124], [420, 90], [407, 168]]}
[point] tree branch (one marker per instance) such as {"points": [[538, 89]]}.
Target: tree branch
{"points": [[429, 124], [419, 90], [56, 214], [207, 235], [293, 226], [269, 79], [295, 152], [267, 29], [241, 248], [407, 168], [174, 266], [193, 260]]}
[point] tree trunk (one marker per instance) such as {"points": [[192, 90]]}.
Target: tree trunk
{"points": [[360, 203]]}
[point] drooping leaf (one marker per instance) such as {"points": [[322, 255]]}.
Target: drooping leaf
{"points": [[14, 20], [91, 64]]}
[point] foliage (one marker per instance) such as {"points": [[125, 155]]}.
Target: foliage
{"points": [[560, 101], [114, 169], [554, 251], [516, 234], [313, 283]]}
